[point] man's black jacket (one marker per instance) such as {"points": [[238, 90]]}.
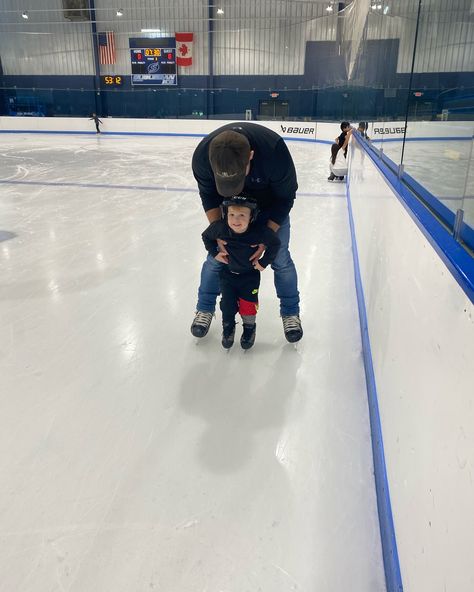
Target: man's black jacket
{"points": [[272, 177]]}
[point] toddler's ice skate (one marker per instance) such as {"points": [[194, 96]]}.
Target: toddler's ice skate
{"points": [[228, 332], [248, 336]]}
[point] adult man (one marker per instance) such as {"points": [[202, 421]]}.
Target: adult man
{"points": [[246, 157]]}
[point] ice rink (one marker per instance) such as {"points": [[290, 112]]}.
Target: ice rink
{"points": [[133, 458]]}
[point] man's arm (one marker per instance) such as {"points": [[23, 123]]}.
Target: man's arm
{"points": [[272, 246], [273, 225], [209, 238], [283, 185], [204, 176], [213, 215]]}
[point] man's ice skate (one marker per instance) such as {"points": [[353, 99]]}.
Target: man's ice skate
{"points": [[201, 323], [228, 332], [292, 328], [248, 336]]}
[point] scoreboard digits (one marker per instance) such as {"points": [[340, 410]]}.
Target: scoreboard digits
{"points": [[153, 66], [112, 80]]}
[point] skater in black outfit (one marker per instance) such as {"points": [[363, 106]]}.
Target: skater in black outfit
{"points": [[96, 121], [341, 141], [239, 278]]}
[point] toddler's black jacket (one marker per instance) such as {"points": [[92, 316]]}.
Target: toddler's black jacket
{"points": [[242, 246]]}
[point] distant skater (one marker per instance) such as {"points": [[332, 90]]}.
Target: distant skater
{"points": [[96, 121], [343, 140], [362, 129]]}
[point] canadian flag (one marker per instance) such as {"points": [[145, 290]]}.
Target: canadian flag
{"points": [[184, 49]]}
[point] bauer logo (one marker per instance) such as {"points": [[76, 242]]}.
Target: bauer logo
{"points": [[389, 130], [305, 131]]}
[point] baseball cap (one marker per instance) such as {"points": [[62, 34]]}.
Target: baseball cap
{"points": [[229, 154]]}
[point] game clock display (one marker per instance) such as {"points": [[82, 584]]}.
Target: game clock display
{"points": [[154, 66], [112, 80]]}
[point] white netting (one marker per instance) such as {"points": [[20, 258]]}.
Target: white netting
{"points": [[355, 20]]}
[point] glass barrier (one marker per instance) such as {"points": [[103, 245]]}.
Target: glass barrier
{"points": [[423, 126], [437, 143], [467, 205]]}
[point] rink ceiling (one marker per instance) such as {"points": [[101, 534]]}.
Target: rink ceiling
{"points": [[134, 458], [249, 39]]}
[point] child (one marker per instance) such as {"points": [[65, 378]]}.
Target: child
{"points": [[337, 164], [239, 277]]}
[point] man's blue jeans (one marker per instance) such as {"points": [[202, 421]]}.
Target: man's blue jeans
{"points": [[286, 280]]}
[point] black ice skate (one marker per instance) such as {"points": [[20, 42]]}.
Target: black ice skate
{"points": [[248, 336], [292, 328], [228, 332], [201, 323]]}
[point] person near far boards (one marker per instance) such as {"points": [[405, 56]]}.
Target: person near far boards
{"points": [[96, 120], [343, 139], [337, 164], [362, 129]]}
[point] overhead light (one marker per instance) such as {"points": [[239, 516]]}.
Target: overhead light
{"points": [[151, 30], [220, 11], [379, 7], [119, 12], [386, 9], [24, 15], [329, 8]]}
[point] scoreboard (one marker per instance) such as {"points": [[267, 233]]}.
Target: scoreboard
{"points": [[154, 66]]}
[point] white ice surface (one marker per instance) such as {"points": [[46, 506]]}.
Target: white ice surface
{"points": [[133, 459]]}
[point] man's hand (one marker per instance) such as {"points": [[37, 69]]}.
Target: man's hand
{"points": [[256, 256], [273, 225], [222, 258], [221, 246], [258, 267]]}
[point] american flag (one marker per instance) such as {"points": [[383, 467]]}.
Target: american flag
{"points": [[106, 47]]}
